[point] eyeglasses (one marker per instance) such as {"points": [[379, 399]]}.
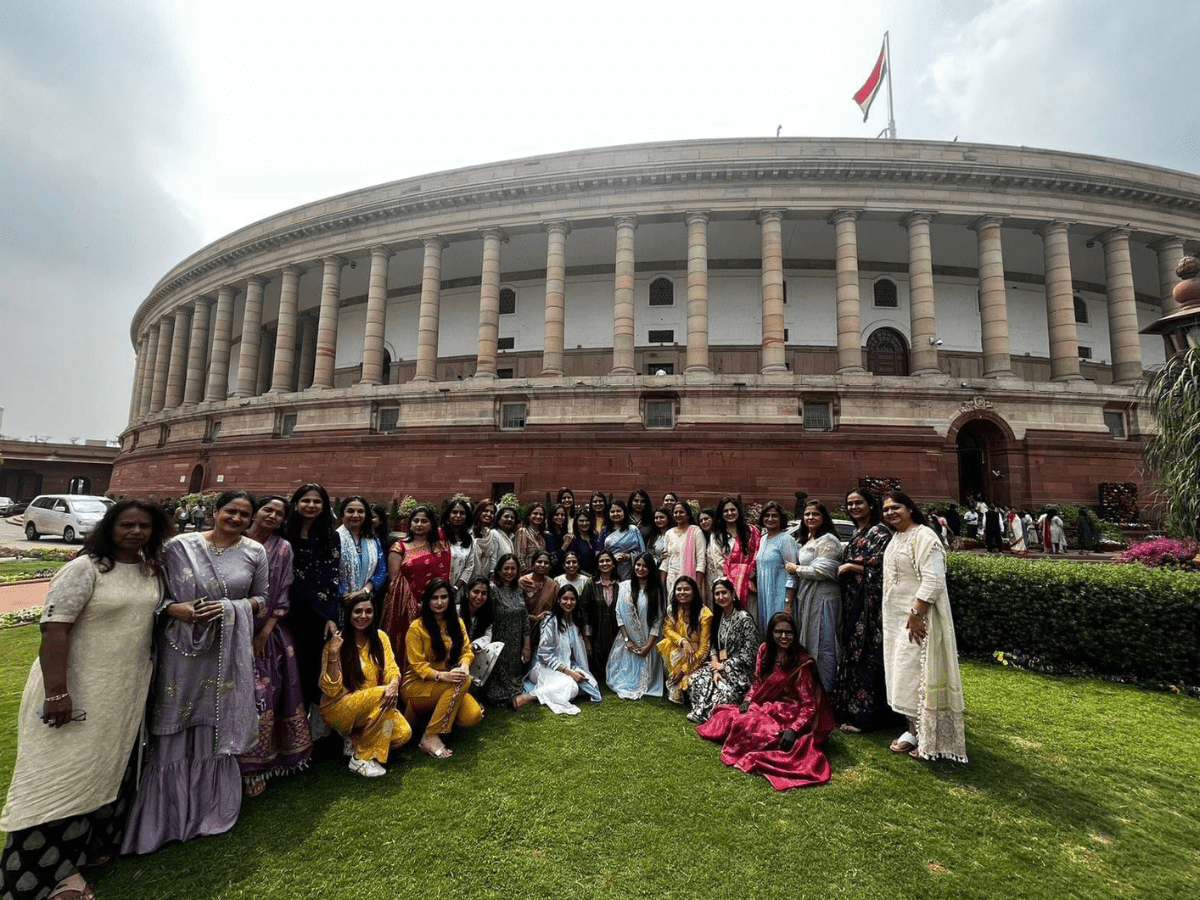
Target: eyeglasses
{"points": [[78, 715], [779, 633]]}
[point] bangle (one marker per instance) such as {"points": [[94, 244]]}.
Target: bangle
{"points": [[913, 612], [63, 696]]}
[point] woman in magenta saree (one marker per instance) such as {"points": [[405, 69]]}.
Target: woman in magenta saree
{"points": [[411, 566], [780, 729]]}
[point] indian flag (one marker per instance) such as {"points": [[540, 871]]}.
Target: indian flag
{"points": [[865, 95]]}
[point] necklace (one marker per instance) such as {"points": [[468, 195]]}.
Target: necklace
{"points": [[218, 551]]}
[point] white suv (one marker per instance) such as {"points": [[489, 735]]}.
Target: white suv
{"points": [[71, 515]]}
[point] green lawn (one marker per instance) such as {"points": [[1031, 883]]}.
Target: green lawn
{"points": [[1075, 788], [22, 569]]}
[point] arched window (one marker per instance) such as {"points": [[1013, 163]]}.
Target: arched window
{"points": [[886, 296], [508, 301], [1081, 310], [387, 367], [887, 352], [662, 292]]}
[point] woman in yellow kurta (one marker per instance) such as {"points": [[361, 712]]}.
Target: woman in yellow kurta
{"points": [[360, 682], [437, 679], [686, 636]]}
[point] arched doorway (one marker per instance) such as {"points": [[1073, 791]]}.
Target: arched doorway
{"points": [[80, 484], [887, 352], [196, 484], [982, 460]]}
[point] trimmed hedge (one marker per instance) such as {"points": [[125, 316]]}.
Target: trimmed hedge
{"points": [[1119, 621]]}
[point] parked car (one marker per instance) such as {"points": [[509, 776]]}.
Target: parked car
{"points": [[6, 506], [845, 530], [71, 515]]}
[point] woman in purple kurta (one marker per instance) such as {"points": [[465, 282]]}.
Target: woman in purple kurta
{"points": [[284, 739], [202, 714]]}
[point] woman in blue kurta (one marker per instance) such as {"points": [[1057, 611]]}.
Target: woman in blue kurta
{"points": [[622, 540], [560, 670], [817, 607], [776, 550], [634, 665], [363, 565]]}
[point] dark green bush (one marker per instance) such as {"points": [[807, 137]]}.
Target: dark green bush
{"points": [[1120, 621]]}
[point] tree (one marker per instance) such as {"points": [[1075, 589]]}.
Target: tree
{"points": [[1173, 450]]}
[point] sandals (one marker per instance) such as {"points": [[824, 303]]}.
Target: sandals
{"points": [[906, 743], [256, 788], [442, 752], [62, 892]]}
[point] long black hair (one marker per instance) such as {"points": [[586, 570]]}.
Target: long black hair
{"points": [[741, 526], [476, 624], [352, 673], [560, 614], [718, 613], [367, 529], [434, 629], [693, 611], [101, 547], [322, 526], [903, 499], [458, 537], [792, 658], [655, 603]]}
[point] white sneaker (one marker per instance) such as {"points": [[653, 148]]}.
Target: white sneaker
{"points": [[367, 768]]}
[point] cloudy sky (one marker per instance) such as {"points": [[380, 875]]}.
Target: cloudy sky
{"points": [[133, 133]]}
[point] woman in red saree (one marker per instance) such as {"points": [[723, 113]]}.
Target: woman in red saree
{"points": [[780, 729], [412, 565]]}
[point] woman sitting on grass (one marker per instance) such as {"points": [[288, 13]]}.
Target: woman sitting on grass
{"points": [[361, 684], [477, 612], [781, 727], [725, 676], [634, 668], [560, 671], [437, 682], [686, 636]]}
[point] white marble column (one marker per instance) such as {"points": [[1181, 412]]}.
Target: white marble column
{"points": [[774, 349], [849, 301], [1060, 301], [247, 371], [139, 368], [283, 372], [489, 304], [193, 391], [554, 312], [373, 349], [1169, 251], [922, 308], [177, 372], [430, 310], [308, 353], [327, 325], [218, 368], [147, 390], [993, 299], [162, 363], [1123, 337], [624, 338], [697, 293]]}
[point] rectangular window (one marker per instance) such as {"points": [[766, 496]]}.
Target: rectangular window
{"points": [[660, 368], [504, 373], [500, 488], [1115, 420], [389, 418], [660, 413], [817, 417], [288, 427], [506, 343], [512, 415], [1085, 352], [508, 301], [662, 336], [785, 335], [214, 430]]}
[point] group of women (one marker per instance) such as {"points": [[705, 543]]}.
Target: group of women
{"points": [[283, 624]]}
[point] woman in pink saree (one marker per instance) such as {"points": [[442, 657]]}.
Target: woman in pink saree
{"points": [[780, 729], [412, 565]]}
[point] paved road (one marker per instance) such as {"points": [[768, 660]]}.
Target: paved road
{"points": [[12, 534]]}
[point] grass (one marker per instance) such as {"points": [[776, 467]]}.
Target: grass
{"points": [[1075, 788], [23, 569]]}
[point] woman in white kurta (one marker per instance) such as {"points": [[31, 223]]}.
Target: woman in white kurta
{"points": [[560, 670], [920, 655], [686, 552], [72, 782], [634, 666]]}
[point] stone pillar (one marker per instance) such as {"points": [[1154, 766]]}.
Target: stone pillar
{"points": [[922, 309], [151, 342], [284, 369], [993, 299], [554, 314], [262, 379], [624, 338], [139, 371], [430, 310], [308, 353], [774, 349], [1169, 251], [177, 372], [373, 349], [489, 304], [162, 363], [1060, 301], [849, 304], [247, 371], [1123, 337], [697, 292], [327, 325], [193, 391], [218, 368]]}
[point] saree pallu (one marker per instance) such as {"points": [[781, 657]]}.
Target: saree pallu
{"points": [[781, 701], [403, 604], [740, 564]]}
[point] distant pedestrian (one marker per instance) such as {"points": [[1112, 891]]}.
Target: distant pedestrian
{"points": [[992, 534]]}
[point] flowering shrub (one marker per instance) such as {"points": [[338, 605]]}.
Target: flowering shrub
{"points": [[35, 553], [1118, 501], [26, 616], [879, 484], [1158, 552]]}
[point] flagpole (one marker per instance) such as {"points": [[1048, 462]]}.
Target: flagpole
{"points": [[887, 45]]}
